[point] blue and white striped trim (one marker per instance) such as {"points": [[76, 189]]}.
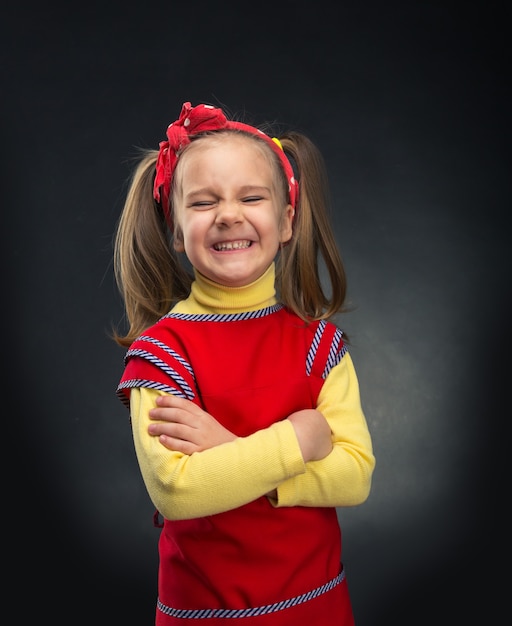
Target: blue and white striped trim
{"points": [[149, 356], [314, 346], [224, 317], [251, 612], [334, 356], [148, 384], [177, 357]]}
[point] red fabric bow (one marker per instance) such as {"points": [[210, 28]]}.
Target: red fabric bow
{"points": [[194, 120]]}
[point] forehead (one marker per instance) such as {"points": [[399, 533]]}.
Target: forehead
{"points": [[223, 154], [227, 140]]}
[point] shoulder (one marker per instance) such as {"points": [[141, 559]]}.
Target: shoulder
{"points": [[327, 347], [160, 330]]}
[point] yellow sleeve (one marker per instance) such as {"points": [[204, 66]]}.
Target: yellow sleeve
{"points": [[343, 478], [215, 480]]}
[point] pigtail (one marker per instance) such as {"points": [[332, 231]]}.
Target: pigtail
{"points": [[313, 242], [146, 267]]}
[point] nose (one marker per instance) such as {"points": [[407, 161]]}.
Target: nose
{"points": [[229, 213]]}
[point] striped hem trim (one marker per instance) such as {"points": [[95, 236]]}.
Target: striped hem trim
{"points": [[251, 612]]}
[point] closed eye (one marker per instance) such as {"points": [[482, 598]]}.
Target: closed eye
{"points": [[202, 204]]}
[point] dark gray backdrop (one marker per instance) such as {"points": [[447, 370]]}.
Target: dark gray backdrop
{"points": [[409, 103]]}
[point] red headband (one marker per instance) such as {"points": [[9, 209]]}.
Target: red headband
{"points": [[195, 120]]}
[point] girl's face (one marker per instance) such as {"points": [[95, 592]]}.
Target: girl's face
{"points": [[229, 220]]}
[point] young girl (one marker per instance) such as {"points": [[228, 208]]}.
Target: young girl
{"points": [[244, 402]]}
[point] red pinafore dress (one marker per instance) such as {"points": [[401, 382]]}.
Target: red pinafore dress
{"points": [[256, 565]]}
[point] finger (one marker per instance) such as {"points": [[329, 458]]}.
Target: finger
{"points": [[177, 445], [173, 415], [173, 430], [172, 401], [164, 414]]}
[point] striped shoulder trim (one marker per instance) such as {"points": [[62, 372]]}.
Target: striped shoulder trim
{"points": [[326, 350], [164, 367], [160, 344], [148, 384]]}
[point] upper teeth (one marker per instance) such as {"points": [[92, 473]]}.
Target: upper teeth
{"points": [[232, 245]]}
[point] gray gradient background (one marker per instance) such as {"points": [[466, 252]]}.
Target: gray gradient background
{"points": [[409, 103]]}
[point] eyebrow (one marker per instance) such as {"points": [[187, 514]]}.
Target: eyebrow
{"points": [[244, 189]]}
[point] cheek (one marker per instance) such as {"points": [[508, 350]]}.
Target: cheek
{"points": [[191, 236]]}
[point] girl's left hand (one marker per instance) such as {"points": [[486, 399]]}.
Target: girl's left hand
{"points": [[184, 427]]}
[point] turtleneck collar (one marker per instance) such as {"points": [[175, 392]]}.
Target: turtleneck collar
{"points": [[207, 296]]}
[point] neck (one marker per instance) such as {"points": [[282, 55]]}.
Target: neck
{"points": [[207, 296]]}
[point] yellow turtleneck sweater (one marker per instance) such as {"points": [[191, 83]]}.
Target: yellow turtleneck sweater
{"points": [[235, 473]]}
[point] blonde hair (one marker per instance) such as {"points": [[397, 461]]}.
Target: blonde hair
{"points": [[152, 277]]}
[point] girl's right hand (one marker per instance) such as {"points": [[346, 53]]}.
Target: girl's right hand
{"points": [[182, 426], [313, 433]]}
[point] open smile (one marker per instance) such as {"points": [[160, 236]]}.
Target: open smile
{"points": [[232, 245]]}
